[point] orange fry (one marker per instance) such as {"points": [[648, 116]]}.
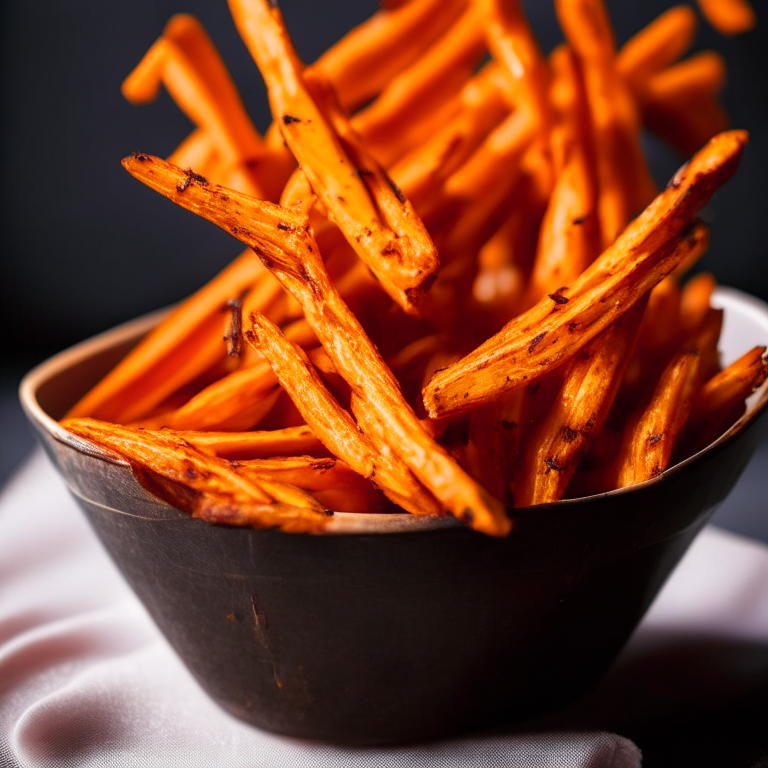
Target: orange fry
{"points": [[516, 49], [218, 493], [657, 45], [580, 410], [648, 250], [695, 303], [376, 219], [568, 238], [291, 441], [729, 17], [330, 481], [189, 65], [650, 436], [481, 107], [624, 182], [396, 121], [382, 46], [155, 363], [331, 423], [722, 393], [234, 403]]}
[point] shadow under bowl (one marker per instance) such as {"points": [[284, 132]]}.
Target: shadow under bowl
{"points": [[392, 627]]}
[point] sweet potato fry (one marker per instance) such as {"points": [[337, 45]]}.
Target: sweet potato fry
{"points": [[721, 394], [218, 493], [659, 44], [383, 46], [514, 46], [376, 219], [234, 403], [196, 151], [650, 436], [332, 424], [579, 413], [568, 238], [330, 481], [188, 64], [624, 182], [695, 303], [646, 252], [291, 441], [416, 99], [481, 106], [729, 17], [107, 400]]}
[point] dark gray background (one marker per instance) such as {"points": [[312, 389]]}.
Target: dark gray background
{"points": [[85, 247]]}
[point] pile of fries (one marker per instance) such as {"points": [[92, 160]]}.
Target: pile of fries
{"points": [[451, 309]]}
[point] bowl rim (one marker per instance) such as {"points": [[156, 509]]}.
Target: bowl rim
{"points": [[355, 523]]}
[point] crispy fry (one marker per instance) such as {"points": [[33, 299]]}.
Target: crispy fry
{"points": [[417, 99], [383, 46], [659, 44], [729, 17], [721, 394], [695, 303], [515, 48], [332, 424], [642, 256], [219, 494], [291, 441], [579, 413], [650, 436], [330, 481], [481, 107], [189, 65], [376, 219], [234, 403], [625, 184], [568, 238], [155, 362]]}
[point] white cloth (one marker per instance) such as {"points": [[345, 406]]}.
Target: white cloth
{"points": [[87, 680]]}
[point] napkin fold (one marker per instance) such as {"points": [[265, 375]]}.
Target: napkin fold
{"points": [[86, 679]]}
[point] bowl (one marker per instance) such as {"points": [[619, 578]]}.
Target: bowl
{"points": [[391, 628]]}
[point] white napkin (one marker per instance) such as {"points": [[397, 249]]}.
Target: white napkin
{"points": [[87, 680]]}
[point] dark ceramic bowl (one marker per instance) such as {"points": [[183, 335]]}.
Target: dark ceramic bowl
{"points": [[393, 627]]}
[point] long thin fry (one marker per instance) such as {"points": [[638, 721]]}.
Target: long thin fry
{"points": [[332, 424], [729, 17], [625, 184], [568, 238], [191, 69], [722, 393], [101, 401], [482, 107], [236, 402], [291, 441], [644, 254], [383, 46], [516, 49], [379, 224], [219, 494], [657, 45], [578, 414], [396, 120], [650, 437]]}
